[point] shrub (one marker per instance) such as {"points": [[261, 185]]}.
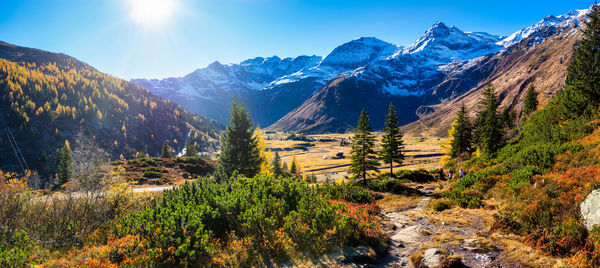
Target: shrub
{"points": [[263, 218], [441, 204]]}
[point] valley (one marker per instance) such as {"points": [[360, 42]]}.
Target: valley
{"points": [[459, 149]]}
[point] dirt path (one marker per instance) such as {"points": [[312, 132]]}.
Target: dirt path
{"points": [[463, 235]]}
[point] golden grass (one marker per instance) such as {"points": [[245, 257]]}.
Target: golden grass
{"points": [[516, 250], [313, 158], [394, 202]]}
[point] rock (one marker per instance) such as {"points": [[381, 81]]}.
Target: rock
{"points": [[590, 209], [432, 257], [361, 254]]}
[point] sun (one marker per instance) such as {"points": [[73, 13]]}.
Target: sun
{"points": [[153, 13]]}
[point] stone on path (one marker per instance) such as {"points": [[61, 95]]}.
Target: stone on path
{"points": [[432, 257]]}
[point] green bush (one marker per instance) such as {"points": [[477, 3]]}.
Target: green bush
{"points": [[15, 249], [345, 191], [440, 204], [522, 177], [181, 226], [152, 172]]}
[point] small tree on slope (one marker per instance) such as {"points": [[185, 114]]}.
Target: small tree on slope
{"points": [[65, 164], [530, 103], [165, 151], [462, 136], [488, 126]]}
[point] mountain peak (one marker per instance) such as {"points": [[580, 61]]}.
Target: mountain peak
{"points": [[359, 52], [442, 42]]}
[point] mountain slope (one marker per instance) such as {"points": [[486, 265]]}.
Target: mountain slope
{"points": [[439, 68], [47, 98], [543, 66]]}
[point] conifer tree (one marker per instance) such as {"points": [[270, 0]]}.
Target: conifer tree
{"points": [[190, 149], [583, 75], [165, 150], [391, 142], [239, 147], [265, 156], [363, 156], [530, 103], [65, 164], [488, 126], [276, 164], [461, 140]]}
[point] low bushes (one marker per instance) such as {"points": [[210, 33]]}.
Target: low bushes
{"points": [[262, 219]]}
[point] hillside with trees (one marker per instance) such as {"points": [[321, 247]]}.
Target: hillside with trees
{"points": [[545, 173], [47, 98]]}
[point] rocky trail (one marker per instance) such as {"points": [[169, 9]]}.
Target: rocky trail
{"points": [[413, 231]]}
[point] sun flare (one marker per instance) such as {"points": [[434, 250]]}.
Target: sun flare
{"points": [[153, 13]]}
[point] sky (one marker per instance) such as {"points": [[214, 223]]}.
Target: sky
{"points": [[171, 38]]}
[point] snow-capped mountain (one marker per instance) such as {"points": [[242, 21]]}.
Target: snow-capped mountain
{"points": [[443, 43], [551, 24], [273, 87]]}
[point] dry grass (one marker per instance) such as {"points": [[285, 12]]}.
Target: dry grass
{"points": [[394, 202], [516, 250], [419, 154]]}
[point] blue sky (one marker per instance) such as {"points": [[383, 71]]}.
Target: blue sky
{"points": [[112, 36]]}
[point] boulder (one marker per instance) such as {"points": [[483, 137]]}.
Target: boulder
{"points": [[432, 257], [590, 209]]}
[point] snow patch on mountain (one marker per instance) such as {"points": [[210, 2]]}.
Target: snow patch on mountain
{"points": [[572, 18]]}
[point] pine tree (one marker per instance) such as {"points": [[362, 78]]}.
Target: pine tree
{"points": [[165, 152], [461, 140], [530, 103], [239, 148], [392, 149], [276, 164], [65, 164], [363, 154], [488, 126], [190, 149], [583, 75]]}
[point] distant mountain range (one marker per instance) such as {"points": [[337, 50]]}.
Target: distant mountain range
{"points": [[325, 94]]}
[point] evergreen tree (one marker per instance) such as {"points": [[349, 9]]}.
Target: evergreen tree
{"points": [[239, 147], [363, 157], [530, 103], [391, 142], [166, 150], [190, 149], [582, 85], [276, 165], [488, 126], [65, 164], [462, 136]]}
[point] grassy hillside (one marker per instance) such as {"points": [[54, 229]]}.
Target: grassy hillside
{"points": [[545, 173], [47, 98]]}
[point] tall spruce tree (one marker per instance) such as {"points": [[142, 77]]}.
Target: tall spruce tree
{"points": [[488, 126], [65, 164], [462, 136], [165, 151], [530, 103], [583, 75], [239, 147], [363, 153], [392, 148]]}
